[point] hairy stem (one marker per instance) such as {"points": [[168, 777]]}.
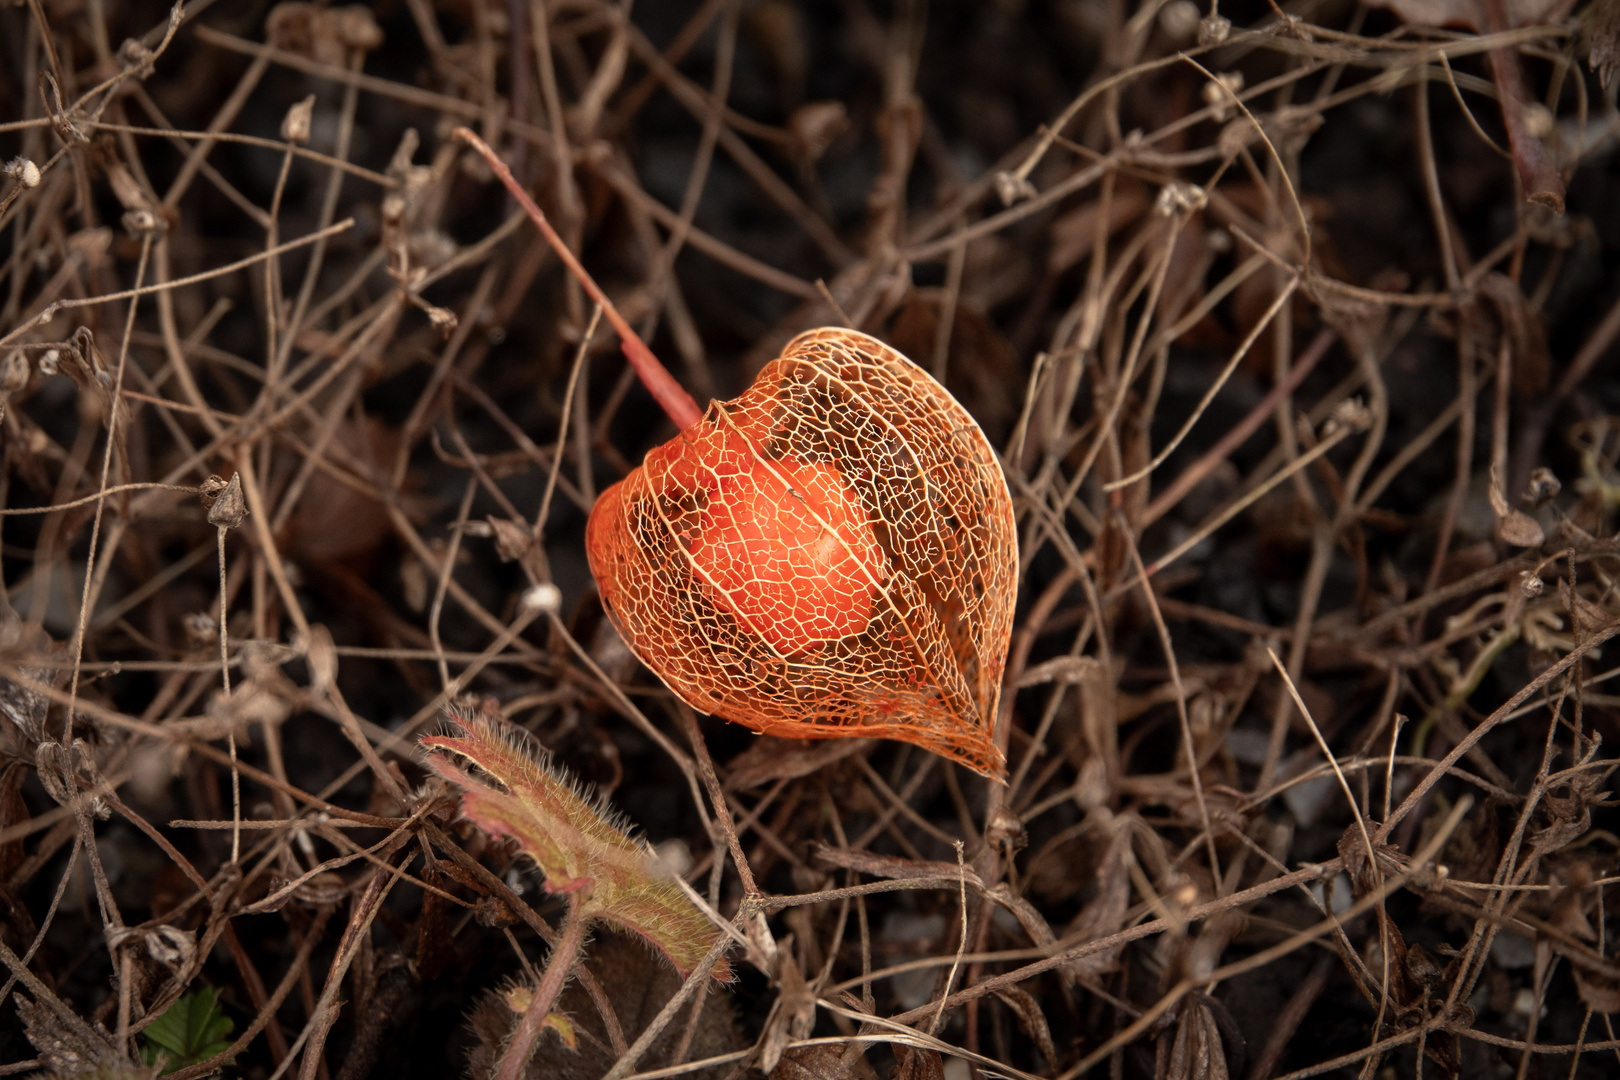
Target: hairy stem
{"points": [[563, 958]]}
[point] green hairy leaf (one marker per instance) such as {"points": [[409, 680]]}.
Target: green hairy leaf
{"points": [[579, 843]]}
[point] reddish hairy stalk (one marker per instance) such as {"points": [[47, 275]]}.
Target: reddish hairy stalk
{"points": [[527, 1031], [677, 404]]}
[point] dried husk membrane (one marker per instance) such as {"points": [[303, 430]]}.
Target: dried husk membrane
{"points": [[831, 554]]}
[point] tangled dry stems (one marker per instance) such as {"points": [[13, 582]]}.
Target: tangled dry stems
{"points": [[412, 449]]}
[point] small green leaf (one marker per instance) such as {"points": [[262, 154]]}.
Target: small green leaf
{"points": [[563, 1027], [191, 1030]]}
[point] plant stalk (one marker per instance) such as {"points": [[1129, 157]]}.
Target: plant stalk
{"points": [[677, 404], [563, 957]]}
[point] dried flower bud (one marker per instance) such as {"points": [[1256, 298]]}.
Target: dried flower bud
{"points": [[24, 171], [295, 125], [1178, 195], [443, 319], [1543, 488], [13, 373], [230, 509], [1011, 188], [1530, 584], [1516, 527], [1213, 29], [1179, 20], [1350, 413], [135, 54], [140, 222], [816, 125], [1220, 92], [320, 653], [1538, 120], [201, 627], [545, 598], [358, 28]]}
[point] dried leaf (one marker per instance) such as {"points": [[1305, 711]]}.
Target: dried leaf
{"points": [[13, 814], [1464, 12], [1030, 1018], [66, 1045], [1074, 234], [1588, 616], [771, 759], [1603, 16], [911, 1063], [832, 554], [1197, 1053], [893, 867], [1105, 914], [795, 1013], [1524, 330], [1516, 527], [821, 1062], [1600, 994], [577, 841]]}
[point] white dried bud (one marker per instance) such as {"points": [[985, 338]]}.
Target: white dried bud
{"points": [[1350, 413], [14, 373], [544, 598], [1538, 120], [140, 222], [201, 627], [671, 858], [814, 126], [1543, 488], [1179, 195], [295, 125], [1011, 189], [1530, 584], [443, 319], [1179, 19], [1220, 93], [1214, 29], [24, 171]]}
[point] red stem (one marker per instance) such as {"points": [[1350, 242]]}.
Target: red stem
{"points": [[1538, 172], [677, 404], [527, 1031]]}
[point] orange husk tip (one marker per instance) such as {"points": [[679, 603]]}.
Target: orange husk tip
{"points": [[580, 844], [831, 554]]}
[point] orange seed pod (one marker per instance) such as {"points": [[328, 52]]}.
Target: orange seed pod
{"points": [[831, 554]]}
